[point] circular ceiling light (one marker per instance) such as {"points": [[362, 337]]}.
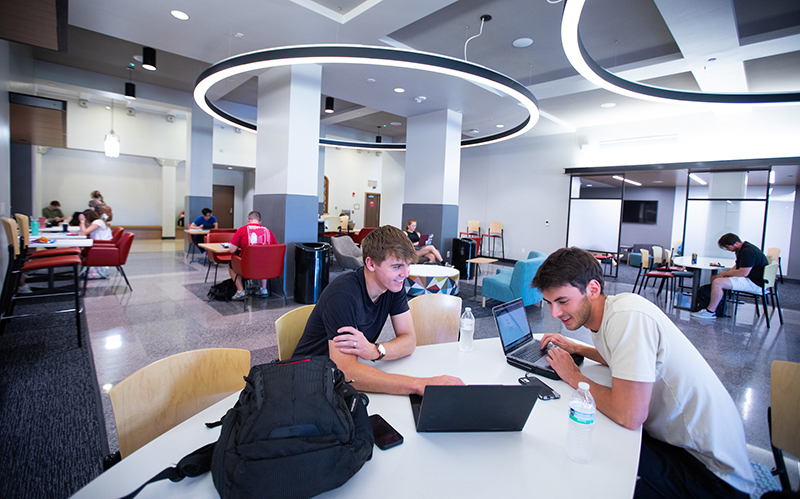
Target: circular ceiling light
{"points": [[521, 43], [583, 63], [499, 126], [395, 123], [497, 83], [180, 15], [399, 90], [608, 105], [370, 80]]}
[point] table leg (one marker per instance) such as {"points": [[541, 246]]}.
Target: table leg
{"points": [[477, 273]]}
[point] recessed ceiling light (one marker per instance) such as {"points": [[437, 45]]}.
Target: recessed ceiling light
{"points": [[608, 105], [178, 14], [138, 58], [420, 99], [658, 181], [399, 90], [588, 185], [499, 126], [522, 42], [230, 168], [108, 107], [395, 123], [473, 130], [370, 80]]}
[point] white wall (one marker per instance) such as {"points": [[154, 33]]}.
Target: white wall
{"points": [[145, 134], [520, 182], [393, 188], [348, 171], [131, 185], [232, 148]]}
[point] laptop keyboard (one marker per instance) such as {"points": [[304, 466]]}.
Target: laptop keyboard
{"points": [[531, 353]]}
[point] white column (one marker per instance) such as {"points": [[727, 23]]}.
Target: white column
{"points": [[168, 216]]}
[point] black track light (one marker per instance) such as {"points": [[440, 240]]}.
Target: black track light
{"points": [[149, 58], [329, 105]]}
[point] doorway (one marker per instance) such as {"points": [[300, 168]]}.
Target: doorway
{"points": [[372, 210], [222, 204]]}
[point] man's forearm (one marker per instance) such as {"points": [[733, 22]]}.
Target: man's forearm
{"points": [[590, 353], [369, 379], [399, 347]]}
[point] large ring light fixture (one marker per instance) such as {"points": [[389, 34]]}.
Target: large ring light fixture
{"points": [[592, 71], [366, 55]]}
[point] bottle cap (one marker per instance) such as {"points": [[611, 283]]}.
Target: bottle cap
{"points": [[583, 386], [467, 309]]}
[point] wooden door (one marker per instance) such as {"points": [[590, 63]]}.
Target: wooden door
{"points": [[223, 205], [372, 209]]}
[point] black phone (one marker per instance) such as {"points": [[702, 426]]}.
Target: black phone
{"points": [[546, 393], [386, 437]]}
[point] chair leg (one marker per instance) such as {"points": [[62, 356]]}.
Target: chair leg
{"points": [[764, 301], [735, 295], [215, 274], [780, 269], [637, 279], [126, 277], [209, 270], [778, 301]]}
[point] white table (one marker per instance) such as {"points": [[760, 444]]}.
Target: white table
{"points": [[71, 228], [703, 263], [531, 463], [67, 242]]}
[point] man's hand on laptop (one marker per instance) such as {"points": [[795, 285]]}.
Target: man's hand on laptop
{"points": [[421, 383], [560, 341], [565, 366]]}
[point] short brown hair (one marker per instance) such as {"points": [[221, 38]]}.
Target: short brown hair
{"points": [[254, 215], [572, 266], [728, 239], [385, 242]]}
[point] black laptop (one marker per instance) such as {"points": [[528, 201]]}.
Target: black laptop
{"points": [[473, 408], [519, 345]]}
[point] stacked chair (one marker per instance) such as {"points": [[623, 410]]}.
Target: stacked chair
{"points": [[19, 262]]}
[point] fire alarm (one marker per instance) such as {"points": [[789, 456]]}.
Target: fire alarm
{"points": [[354, 194]]}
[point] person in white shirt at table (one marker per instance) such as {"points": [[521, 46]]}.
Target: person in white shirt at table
{"points": [[693, 443], [95, 227]]}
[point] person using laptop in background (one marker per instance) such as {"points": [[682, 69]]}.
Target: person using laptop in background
{"points": [[693, 443], [352, 310], [205, 221], [426, 250]]}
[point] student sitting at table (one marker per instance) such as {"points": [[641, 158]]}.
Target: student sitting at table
{"points": [[53, 213], [348, 318], [425, 251], [206, 221], [693, 442], [249, 235], [95, 227]]}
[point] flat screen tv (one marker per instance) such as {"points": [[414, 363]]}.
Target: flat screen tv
{"points": [[639, 212]]}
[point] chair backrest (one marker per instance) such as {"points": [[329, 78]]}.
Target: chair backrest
{"points": [[24, 226], [347, 253], [12, 234], [222, 231], [263, 261], [784, 399], [116, 233], [536, 254], [645, 259], [124, 244], [667, 258], [473, 226], [495, 227], [658, 255], [343, 221], [360, 235], [521, 277], [289, 328], [436, 318], [160, 396], [219, 237], [770, 271]]}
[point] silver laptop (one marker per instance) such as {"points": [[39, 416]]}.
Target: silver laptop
{"points": [[519, 345], [473, 408]]}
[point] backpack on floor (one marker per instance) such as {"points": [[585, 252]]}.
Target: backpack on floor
{"points": [[223, 291], [704, 298], [297, 430]]}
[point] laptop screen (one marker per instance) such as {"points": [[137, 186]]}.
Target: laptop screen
{"points": [[512, 322]]}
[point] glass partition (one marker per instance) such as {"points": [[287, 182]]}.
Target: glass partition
{"points": [[594, 213]]}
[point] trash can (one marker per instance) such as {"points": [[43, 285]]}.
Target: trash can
{"points": [[312, 266], [464, 249]]}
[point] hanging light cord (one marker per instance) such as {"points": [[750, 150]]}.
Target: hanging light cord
{"points": [[473, 37]]}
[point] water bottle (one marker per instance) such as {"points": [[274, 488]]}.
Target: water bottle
{"points": [[581, 424], [467, 330]]}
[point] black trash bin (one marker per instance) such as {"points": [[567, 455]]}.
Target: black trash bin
{"points": [[312, 266], [464, 249]]}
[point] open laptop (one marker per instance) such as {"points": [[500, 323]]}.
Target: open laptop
{"points": [[423, 239], [521, 349], [473, 408]]}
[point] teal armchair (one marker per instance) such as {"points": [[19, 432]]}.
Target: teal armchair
{"points": [[510, 284]]}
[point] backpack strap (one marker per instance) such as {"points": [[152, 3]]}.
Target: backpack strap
{"points": [[192, 465]]}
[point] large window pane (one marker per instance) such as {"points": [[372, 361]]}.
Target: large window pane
{"points": [[729, 185], [709, 220], [594, 224]]}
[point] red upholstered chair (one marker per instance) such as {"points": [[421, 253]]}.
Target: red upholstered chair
{"points": [[17, 265], [217, 258], [107, 255], [116, 233], [360, 235], [260, 262], [222, 231]]}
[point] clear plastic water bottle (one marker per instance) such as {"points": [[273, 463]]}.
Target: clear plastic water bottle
{"points": [[581, 424], [467, 330]]}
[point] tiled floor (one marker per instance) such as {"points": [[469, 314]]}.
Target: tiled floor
{"points": [[167, 313]]}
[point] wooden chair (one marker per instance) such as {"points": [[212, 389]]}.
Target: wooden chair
{"points": [[473, 229], [158, 397], [784, 398], [770, 274], [436, 318], [666, 277], [24, 226], [658, 257], [289, 328], [495, 232], [644, 265], [774, 256]]}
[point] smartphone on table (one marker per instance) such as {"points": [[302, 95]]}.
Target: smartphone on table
{"points": [[546, 393], [386, 437]]}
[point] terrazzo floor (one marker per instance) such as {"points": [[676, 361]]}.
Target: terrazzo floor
{"points": [[167, 313]]}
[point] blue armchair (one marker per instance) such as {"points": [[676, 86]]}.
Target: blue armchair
{"points": [[510, 284]]}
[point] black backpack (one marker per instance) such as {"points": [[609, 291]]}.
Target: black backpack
{"points": [[704, 299], [223, 291], [297, 430]]}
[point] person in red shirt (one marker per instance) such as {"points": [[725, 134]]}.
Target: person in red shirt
{"points": [[251, 234]]}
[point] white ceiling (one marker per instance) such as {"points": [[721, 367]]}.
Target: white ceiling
{"points": [[755, 46]]}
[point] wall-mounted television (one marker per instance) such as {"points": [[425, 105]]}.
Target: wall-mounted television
{"points": [[639, 212]]}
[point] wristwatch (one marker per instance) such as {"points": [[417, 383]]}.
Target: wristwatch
{"points": [[381, 352]]}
